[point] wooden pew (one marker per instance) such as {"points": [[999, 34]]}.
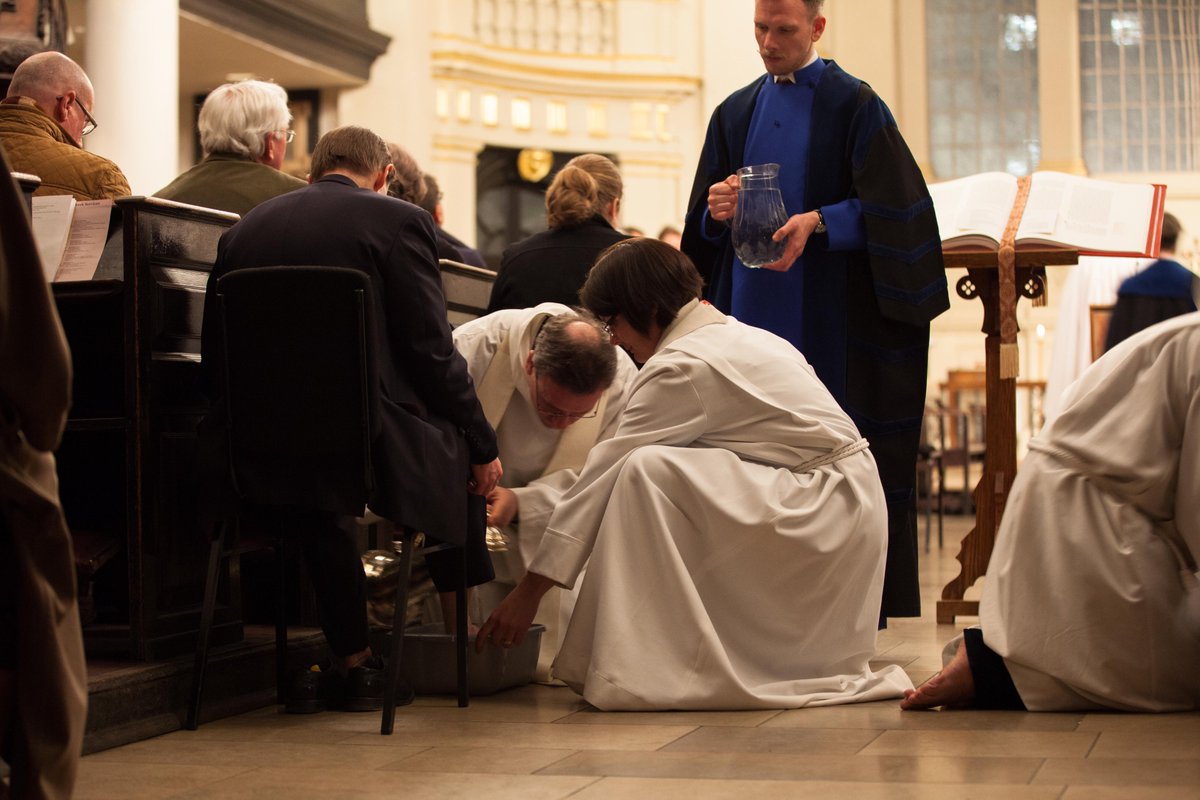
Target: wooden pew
{"points": [[126, 466], [29, 184], [127, 462]]}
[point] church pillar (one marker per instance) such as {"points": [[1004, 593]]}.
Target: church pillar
{"points": [[454, 164], [1059, 104], [132, 57]]}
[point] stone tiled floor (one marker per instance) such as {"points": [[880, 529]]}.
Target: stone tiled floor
{"points": [[538, 743]]}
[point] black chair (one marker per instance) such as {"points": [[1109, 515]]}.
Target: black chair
{"points": [[301, 391]]}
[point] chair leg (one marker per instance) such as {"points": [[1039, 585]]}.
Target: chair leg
{"points": [[941, 503], [215, 550], [461, 643], [392, 675], [280, 621], [928, 500]]}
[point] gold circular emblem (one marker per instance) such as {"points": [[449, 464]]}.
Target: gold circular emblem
{"points": [[533, 164]]}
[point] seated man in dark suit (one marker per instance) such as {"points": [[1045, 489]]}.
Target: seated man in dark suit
{"points": [[432, 202], [244, 130], [344, 219]]}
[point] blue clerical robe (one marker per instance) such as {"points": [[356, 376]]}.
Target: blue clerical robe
{"points": [[862, 312]]}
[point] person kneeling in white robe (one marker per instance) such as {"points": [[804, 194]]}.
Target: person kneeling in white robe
{"points": [[552, 385], [1091, 598], [735, 523]]}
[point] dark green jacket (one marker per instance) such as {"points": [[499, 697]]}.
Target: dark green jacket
{"points": [[229, 183]]}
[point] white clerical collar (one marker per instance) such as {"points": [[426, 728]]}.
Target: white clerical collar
{"points": [[791, 76]]}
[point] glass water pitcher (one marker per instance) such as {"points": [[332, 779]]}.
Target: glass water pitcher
{"points": [[759, 214]]}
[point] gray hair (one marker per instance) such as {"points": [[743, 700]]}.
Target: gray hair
{"points": [[236, 116], [581, 360]]}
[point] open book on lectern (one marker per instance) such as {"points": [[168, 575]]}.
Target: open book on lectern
{"points": [[1096, 217]]}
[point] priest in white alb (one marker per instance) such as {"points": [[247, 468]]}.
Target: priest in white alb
{"points": [[1091, 599], [552, 385], [735, 523]]}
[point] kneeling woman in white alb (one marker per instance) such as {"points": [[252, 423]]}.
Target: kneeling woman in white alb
{"points": [[735, 523]]}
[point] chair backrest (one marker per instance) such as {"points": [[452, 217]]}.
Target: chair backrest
{"points": [[467, 288], [301, 385]]}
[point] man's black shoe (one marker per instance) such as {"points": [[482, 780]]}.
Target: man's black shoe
{"points": [[362, 688], [303, 694]]}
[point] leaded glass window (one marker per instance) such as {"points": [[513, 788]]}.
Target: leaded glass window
{"points": [[983, 86], [1140, 84]]}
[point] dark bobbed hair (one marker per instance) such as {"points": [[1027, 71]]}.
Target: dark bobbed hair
{"points": [[433, 195], [644, 280], [408, 181]]}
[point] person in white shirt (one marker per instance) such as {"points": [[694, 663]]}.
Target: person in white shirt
{"points": [[552, 385]]}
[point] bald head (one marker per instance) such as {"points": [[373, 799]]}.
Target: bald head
{"points": [[55, 83], [47, 75], [573, 350]]}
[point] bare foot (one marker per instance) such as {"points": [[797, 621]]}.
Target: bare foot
{"points": [[953, 687]]}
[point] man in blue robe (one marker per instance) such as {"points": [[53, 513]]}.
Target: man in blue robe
{"points": [[861, 275]]}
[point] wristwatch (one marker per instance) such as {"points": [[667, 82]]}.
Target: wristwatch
{"points": [[820, 222]]}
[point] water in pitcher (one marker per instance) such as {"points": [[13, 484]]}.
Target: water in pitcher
{"points": [[760, 213]]}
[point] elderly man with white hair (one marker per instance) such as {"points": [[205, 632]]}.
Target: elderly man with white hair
{"points": [[43, 120], [244, 132]]}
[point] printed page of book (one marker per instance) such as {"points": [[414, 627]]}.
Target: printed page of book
{"points": [[89, 232], [51, 227], [975, 209], [1095, 216]]}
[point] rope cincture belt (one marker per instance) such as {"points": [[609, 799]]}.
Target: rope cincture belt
{"points": [[837, 455]]}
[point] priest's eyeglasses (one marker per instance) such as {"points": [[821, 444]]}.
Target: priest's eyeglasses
{"points": [[552, 412], [91, 123], [288, 134]]}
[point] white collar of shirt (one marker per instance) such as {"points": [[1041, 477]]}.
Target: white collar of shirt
{"points": [[791, 77]]}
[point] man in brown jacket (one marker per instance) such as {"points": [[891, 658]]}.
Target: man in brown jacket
{"points": [[43, 120]]}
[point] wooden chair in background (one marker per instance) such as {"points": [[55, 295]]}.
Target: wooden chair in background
{"points": [[1098, 319]]}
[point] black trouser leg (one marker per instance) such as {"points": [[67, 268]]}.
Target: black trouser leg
{"points": [[446, 565], [994, 688], [330, 549]]}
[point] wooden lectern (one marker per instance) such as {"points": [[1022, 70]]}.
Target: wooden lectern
{"points": [[983, 281]]}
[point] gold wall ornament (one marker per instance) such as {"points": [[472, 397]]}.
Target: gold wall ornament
{"points": [[534, 163]]}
